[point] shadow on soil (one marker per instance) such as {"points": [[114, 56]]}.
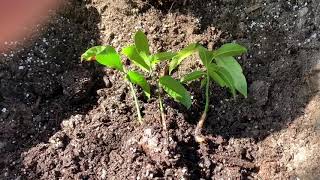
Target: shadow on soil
{"points": [[44, 83]]}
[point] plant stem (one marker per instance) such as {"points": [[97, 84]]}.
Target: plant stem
{"points": [[136, 102], [206, 107], [164, 72], [133, 92], [198, 135], [163, 117]]}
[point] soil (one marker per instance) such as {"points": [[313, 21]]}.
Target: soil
{"points": [[62, 119]]}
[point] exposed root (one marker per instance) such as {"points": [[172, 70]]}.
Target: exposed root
{"points": [[163, 121], [164, 72], [163, 117], [197, 133]]}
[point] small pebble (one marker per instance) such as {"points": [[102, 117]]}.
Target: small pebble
{"points": [[4, 110]]}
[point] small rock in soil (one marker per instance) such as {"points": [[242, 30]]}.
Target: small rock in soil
{"points": [[76, 84], [107, 82], [259, 91], [57, 140], [2, 145]]}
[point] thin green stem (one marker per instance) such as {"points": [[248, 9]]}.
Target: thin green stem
{"points": [[133, 92], [135, 102], [206, 107], [163, 115], [160, 91], [163, 119]]}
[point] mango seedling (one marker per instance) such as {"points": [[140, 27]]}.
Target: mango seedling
{"points": [[222, 68], [139, 54], [107, 56]]}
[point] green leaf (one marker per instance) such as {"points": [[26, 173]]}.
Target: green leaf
{"points": [[109, 57], [105, 55], [176, 90], [139, 80], [92, 52], [221, 76], [184, 53], [141, 43], [212, 70], [233, 67], [132, 54], [162, 56], [230, 49], [192, 76], [227, 78], [205, 55]]}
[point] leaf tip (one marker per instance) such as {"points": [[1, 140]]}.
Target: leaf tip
{"points": [[245, 95], [170, 69]]}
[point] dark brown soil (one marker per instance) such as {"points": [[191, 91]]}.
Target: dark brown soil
{"points": [[61, 119]]}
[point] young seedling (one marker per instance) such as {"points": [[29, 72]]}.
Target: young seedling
{"points": [[107, 56], [224, 70], [139, 54]]}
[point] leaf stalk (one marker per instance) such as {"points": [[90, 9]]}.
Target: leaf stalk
{"points": [[136, 102], [133, 93]]}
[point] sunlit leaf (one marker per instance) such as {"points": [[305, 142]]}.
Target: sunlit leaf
{"points": [[183, 54], [162, 56], [141, 43], [133, 55], [230, 49], [176, 90], [192, 76], [139, 80], [92, 52], [105, 55]]}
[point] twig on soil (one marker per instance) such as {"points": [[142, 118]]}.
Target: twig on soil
{"points": [[231, 161], [185, 2], [171, 6]]}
